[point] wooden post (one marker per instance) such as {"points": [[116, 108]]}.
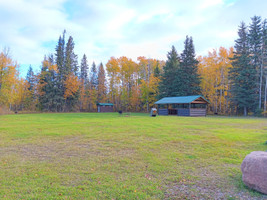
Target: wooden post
{"points": [[189, 109]]}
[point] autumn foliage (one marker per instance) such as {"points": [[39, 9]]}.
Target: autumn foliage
{"points": [[214, 70], [225, 77], [133, 85], [13, 89], [72, 85]]}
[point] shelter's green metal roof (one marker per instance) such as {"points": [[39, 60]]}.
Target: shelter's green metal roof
{"points": [[183, 99], [105, 104]]}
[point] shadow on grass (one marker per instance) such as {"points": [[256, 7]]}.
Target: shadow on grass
{"points": [[241, 187]]}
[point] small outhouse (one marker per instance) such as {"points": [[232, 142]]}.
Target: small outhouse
{"points": [[105, 107], [193, 106]]}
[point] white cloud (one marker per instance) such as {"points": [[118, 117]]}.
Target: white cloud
{"points": [[133, 28]]}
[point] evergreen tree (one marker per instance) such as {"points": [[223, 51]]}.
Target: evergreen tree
{"points": [[56, 93], [84, 70], [101, 80], [71, 63], [264, 62], [67, 65], [30, 78], [93, 77], [168, 85], [30, 99], [49, 93], [157, 71], [60, 55], [93, 83], [70, 72], [243, 74], [255, 44], [188, 78], [60, 74]]}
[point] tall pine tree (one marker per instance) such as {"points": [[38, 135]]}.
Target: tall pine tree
{"points": [[168, 85], [243, 74], [84, 90], [70, 75], [93, 76], [84, 70], [264, 62], [188, 78], [49, 92], [30, 99], [60, 55], [101, 80], [93, 88], [157, 71], [30, 78], [71, 63], [60, 74], [255, 44]]}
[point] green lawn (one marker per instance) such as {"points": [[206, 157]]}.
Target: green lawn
{"points": [[104, 156]]}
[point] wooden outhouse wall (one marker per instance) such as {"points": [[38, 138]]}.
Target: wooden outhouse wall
{"points": [[163, 112], [183, 112], [105, 108], [193, 112], [197, 112]]}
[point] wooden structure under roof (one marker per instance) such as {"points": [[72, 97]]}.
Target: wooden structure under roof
{"points": [[193, 106]]}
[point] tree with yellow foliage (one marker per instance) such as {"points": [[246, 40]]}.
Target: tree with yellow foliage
{"points": [[214, 70], [8, 79]]}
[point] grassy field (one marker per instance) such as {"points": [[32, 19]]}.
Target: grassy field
{"points": [[104, 156]]}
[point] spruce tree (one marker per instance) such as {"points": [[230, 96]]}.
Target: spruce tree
{"points": [[30, 78], [93, 83], [255, 44], [84, 70], [243, 74], [50, 97], [31, 89], [101, 80], [46, 81], [60, 74], [93, 77], [71, 67], [188, 79], [264, 62], [71, 63], [168, 85], [60, 55], [157, 71]]}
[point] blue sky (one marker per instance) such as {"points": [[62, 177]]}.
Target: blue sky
{"points": [[132, 28]]}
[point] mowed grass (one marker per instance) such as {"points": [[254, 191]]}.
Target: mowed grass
{"points": [[105, 156]]}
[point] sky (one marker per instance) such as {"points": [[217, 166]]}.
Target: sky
{"points": [[132, 28]]}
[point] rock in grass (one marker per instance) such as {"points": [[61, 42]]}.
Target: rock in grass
{"points": [[254, 170]]}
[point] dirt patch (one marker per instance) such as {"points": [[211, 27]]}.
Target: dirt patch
{"points": [[68, 147], [208, 185], [206, 191]]}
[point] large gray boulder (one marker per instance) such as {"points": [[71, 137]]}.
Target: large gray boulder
{"points": [[254, 170]]}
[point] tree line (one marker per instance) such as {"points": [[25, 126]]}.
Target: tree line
{"points": [[234, 80]]}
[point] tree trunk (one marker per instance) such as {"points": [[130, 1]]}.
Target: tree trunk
{"points": [[245, 111], [265, 96], [147, 106], [216, 106], [220, 100], [260, 88], [221, 90]]}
